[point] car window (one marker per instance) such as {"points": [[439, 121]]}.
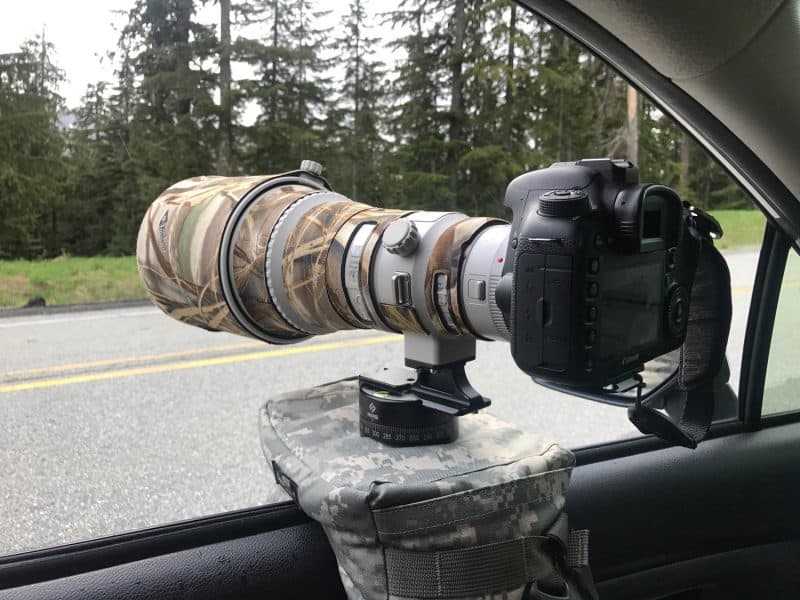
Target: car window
{"points": [[780, 393], [116, 417]]}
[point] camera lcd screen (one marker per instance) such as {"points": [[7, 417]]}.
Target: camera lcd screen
{"points": [[631, 307]]}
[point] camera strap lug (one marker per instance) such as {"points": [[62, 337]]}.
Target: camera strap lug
{"points": [[705, 224], [650, 421]]}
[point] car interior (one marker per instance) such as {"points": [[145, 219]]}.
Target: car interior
{"points": [[667, 523]]}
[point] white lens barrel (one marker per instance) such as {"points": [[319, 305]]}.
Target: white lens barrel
{"points": [[482, 270], [352, 271], [390, 267]]}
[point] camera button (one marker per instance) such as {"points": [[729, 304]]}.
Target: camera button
{"points": [[594, 266], [591, 314], [592, 289], [591, 336], [588, 364], [401, 284], [476, 289]]}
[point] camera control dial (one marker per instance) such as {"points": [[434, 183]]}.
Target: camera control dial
{"points": [[677, 310], [401, 237], [564, 203]]}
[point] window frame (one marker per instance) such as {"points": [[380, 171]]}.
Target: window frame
{"points": [[779, 206], [55, 562], [760, 330]]}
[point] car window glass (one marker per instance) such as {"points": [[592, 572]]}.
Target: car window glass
{"points": [[116, 417], [780, 391]]}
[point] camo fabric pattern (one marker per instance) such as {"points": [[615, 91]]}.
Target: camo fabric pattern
{"points": [[249, 255], [304, 268], [381, 506], [445, 260], [177, 250], [334, 269]]}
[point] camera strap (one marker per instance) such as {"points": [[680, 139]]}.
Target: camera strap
{"points": [[690, 404]]}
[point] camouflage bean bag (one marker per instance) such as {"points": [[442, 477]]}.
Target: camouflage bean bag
{"points": [[478, 518]]}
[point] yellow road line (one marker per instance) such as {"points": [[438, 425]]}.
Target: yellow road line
{"points": [[130, 359], [737, 291], [786, 284], [194, 364]]}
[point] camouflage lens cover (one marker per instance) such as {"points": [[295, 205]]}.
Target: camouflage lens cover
{"points": [[178, 250], [183, 265]]}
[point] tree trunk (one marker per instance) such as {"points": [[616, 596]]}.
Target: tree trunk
{"points": [[456, 93], [42, 86], [273, 77], [685, 163], [510, 60], [561, 107], [632, 128], [457, 67], [560, 139], [705, 200], [356, 103], [225, 100], [183, 55]]}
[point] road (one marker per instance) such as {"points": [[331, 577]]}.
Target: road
{"points": [[121, 419]]}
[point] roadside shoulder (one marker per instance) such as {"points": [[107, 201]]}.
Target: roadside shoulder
{"points": [[71, 308]]}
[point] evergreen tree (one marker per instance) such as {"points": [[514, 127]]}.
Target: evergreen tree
{"points": [[568, 94], [290, 88], [353, 137], [172, 132], [31, 151], [478, 93], [496, 144], [417, 124]]}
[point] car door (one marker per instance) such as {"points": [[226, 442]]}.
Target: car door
{"points": [[717, 522]]}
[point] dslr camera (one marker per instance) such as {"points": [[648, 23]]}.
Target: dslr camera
{"points": [[598, 272], [591, 279]]}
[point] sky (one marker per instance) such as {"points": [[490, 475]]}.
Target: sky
{"points": [[83, 31]]}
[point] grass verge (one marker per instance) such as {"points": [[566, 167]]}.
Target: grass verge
{"points": [[69, 280], [741, 228]]}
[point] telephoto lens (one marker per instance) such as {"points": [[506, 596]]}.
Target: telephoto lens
{"points": [[282, 258], [593, 278]]}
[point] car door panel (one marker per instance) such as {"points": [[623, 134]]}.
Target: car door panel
{"points": [[667, 523], [291, 562], [766, 571], [675, 504]]}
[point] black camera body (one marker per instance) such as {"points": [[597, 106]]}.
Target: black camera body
{"points": [[598, 273]]}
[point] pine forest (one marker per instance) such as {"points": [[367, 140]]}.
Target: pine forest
{"points": [[436, 104]]}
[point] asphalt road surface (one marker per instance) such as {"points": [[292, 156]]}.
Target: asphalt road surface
{"points": [[121, 419]]}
